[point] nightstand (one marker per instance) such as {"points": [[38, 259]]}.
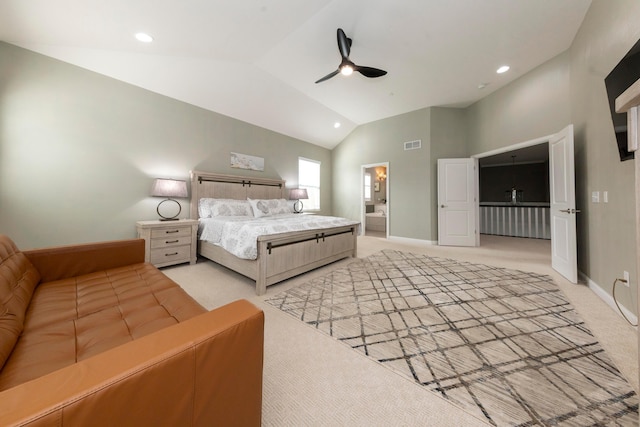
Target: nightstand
{"points": [[169, 242]]}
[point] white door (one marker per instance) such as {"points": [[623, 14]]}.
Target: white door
{"points": [[457, 202], [564, 257]]}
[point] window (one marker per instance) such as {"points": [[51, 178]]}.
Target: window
{"points": [[309, 178], [367, 187]]}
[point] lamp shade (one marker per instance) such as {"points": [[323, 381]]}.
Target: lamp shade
{"points": [[169, 188], [298, 193]]}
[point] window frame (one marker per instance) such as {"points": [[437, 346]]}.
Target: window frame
{"points": [[311, 189], [365, 187]]}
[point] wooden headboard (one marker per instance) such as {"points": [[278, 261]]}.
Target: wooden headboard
{"points": [[220, 186]]}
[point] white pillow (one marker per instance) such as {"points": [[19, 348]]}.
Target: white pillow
{"points": [[204, 208], [210, 207], [230, 207], [266, 207]]}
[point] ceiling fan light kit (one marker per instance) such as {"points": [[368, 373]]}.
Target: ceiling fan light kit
{"points": [[346, 70], [347, 67]]}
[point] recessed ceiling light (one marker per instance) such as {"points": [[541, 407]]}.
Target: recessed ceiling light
{"points": [[502, 69], [483, 85], [337, 125], [144, 37]]}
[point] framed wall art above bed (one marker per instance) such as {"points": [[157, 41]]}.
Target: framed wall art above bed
{"points": [[294, 244]]}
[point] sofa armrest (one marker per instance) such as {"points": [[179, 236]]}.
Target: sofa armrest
{"points": [[62, 262], [201, 372]]}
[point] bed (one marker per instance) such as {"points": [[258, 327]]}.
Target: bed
{"points": [[281, 255]]}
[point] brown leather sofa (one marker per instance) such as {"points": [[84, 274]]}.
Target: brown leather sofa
{"points": [[92, 335]]}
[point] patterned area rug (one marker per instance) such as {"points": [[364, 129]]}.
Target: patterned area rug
{"points": [[503, 344]]}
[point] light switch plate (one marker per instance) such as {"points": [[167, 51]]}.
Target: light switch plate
{"points": [[595, 197], [605, 197]]}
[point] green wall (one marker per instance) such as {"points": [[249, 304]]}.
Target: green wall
{"points": [[448, 140], [412, 174], [606, 231], [535, 105], [79, 151], [409, 173]]}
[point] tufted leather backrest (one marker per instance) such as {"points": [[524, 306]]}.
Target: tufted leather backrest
{"points": [[18, 279]]}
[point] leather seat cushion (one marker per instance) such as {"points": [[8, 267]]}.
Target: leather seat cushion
{"points": [[18, 279], [73, 319]]}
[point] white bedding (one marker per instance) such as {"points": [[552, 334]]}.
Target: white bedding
{"points": [[239, 234]]}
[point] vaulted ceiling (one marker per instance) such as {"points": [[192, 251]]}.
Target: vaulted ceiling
{"points": [[257, 60]]}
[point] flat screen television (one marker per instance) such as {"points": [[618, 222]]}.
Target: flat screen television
{"points": [[619, 79]]}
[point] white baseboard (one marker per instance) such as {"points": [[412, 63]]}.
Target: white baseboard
{"points": [[607, 298], [415, 242]]}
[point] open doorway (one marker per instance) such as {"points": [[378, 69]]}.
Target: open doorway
{"points": [[375, 211], [562, 206], [514, 193]]}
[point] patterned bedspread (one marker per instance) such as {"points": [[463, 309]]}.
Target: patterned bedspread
{"points": [[239, 235]]}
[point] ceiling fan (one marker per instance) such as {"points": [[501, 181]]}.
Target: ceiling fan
{"points": [[347, 66]]}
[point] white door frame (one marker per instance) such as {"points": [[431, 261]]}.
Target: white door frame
{"points": [[363, 218], [530, 143]]}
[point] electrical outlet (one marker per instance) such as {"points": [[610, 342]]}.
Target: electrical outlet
{"points": [[625, 276]]}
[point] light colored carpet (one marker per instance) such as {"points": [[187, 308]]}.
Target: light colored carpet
{"points": [[504, 344], [310, 379]]}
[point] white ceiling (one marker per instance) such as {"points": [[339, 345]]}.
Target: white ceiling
{"points": [[257, 60]]}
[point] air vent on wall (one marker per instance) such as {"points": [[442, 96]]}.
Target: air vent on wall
{"points": [[413, 145]]}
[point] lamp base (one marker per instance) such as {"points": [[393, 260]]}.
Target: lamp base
{"points": [[297, 209], [166, 217]]}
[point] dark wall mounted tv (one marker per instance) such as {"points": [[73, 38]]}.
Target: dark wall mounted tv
{"points": [[619, 79]]}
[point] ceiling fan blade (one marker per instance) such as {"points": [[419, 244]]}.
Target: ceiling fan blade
{"points": [[344, 43], [370, 71], [346, 65], [328, 76]]}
